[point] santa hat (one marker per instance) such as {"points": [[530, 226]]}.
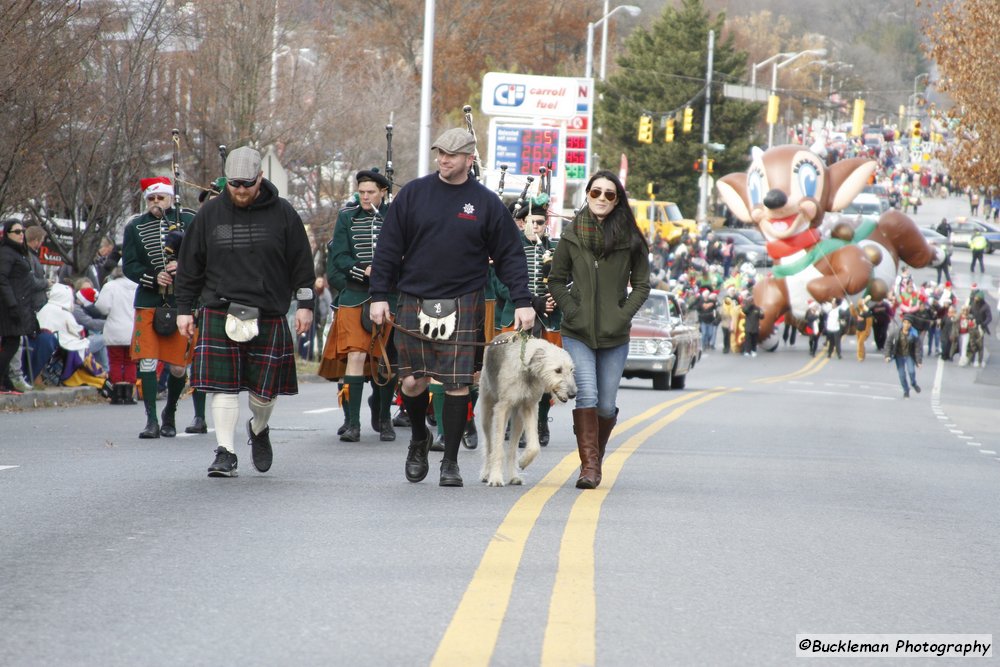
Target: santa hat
{"points": [[158, 185], [86, 296]]}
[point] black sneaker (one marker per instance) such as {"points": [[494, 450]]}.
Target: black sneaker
{"points": [[470, 439], [386, 433], [449, 474], [916, 387], [260, 448], [416, 458], [224, 464]]}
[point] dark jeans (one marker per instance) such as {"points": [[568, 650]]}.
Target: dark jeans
{"points": [[977, 256], [833, 343], [8, 348], [906, 366]]}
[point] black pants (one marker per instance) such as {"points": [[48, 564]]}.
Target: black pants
{"points": [[750, 342], [945, 271], [833, 343], [813, 344], [977, 256], [9, 346]]}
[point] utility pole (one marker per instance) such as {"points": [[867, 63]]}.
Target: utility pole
{"points": [[702, 215]]}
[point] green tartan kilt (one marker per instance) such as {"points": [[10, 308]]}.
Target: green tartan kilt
{"points": [[264, 365]]}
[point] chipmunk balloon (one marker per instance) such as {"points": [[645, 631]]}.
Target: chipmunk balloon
{"points": [[786, 192]]}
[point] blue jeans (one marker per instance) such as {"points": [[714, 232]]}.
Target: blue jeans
{"points": [[597, 374], [707, 335], [905, 366]]}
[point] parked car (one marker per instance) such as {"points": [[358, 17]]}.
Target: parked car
{"points": [[867, 203], [962, 229], [934, 237], [664, 345], [746, 250]]}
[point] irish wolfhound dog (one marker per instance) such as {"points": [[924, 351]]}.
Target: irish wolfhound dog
{"points": [[516, 372]]}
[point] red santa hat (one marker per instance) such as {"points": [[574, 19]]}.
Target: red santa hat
{"points": [[86, 296], [158, 185]]}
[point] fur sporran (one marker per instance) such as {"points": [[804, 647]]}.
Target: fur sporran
{"points": [[438, 317], [165, 320], [241, 322]]}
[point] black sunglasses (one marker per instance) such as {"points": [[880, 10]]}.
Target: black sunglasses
{"points": [[242, 182], [16, 231]]}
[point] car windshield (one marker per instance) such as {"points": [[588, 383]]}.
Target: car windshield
{"points": [[673, 213], [752, 234], [656, 307], [862, 208]]}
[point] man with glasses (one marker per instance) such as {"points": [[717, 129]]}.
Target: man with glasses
{"points": [[439, 235], [147, 262], [244, 258]]}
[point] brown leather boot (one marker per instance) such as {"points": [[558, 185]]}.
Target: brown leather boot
{"points": [[604, 427], [585, 428]]}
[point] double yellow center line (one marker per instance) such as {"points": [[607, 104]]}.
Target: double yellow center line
{"points": [[571, 630]]}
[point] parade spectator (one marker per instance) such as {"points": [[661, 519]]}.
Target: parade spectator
{"points": [[814, 326], [104, 263], [949, 333], [726, 312], [752, 315], [965, 324], [115, 302], [944, 268], [944, 229], [975, 346], [903, 347], [87, 316], [244, 258], [708, 317], [18, 286], [981, 311], [882, 314], [973, 201], [34, 235]]}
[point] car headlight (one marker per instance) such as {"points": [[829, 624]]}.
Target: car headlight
{"points": [[649, 346], [665, 347]]}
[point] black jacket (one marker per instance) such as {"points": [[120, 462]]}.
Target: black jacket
{"points": [[18, 284]]}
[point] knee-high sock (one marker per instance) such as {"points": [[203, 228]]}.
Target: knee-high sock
{"points": [[416, 408], [261, 411], [175, 385], [355, 387], [437, 402], [454, 415], [383, 400], [198, 398], [149, 389], [225, 414]]}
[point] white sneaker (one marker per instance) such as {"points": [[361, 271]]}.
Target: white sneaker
{"points": [[753, 354]]}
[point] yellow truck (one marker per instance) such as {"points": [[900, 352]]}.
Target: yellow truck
{"points": [[670, 223]]}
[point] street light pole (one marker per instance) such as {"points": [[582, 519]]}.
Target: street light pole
{"points": [[632, 11], [426, 81], [774, 81]]}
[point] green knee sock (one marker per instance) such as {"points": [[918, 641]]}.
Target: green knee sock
{"points": [[355, 387], [175, 385], [149, 388]]}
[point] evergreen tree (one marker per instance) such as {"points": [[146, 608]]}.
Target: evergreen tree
{"points": [[662, 71]]}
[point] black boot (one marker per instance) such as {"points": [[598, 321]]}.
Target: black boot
{"points": [[117, 395], [167, 427], [449, 474], [471, 437], [152, 429]]}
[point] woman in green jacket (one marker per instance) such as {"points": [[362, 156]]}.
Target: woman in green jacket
{"points": [[598, 257]]}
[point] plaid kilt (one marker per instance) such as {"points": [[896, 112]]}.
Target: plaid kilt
{"points": [[451, 365], [264, 365]]}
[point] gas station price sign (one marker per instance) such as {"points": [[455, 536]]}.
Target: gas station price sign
{"points": [[526, 149], [576, 155]]}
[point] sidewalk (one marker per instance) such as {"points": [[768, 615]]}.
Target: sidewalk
{"points": [[49, 397]]}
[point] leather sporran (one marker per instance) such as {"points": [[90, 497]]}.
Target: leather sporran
{"points": [[438, 318], [165, 320], [366, 316], [241, 322]]}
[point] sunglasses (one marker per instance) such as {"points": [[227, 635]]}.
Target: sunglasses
{"points": [[610, 195], [237, 183], [16, 231]]}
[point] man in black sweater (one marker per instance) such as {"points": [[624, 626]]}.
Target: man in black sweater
{"points": [[245, 256], [439, 236]]}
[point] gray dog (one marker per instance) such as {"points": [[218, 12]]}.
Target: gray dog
{"points": [[516, 372]]}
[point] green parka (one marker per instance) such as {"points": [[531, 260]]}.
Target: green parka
{"points": [[592, 292]]}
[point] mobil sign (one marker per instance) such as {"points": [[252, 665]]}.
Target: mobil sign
{"points": [[508, 94]]}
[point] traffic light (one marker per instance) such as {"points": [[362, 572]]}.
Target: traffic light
{"points": [[697, 165], [772, 109], [711, 165], [858, 120], [688, 119], [670, 130], [645, 130], [917, 132], [652, 189]]}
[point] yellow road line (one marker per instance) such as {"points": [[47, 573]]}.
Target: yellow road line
{"points": [[814, 366], [570, 634], [472, 634]]}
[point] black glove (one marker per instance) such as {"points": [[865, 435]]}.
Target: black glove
{"points": [[538, 303]]}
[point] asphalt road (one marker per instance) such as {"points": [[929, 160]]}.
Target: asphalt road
{"points": [[774, 496]]}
